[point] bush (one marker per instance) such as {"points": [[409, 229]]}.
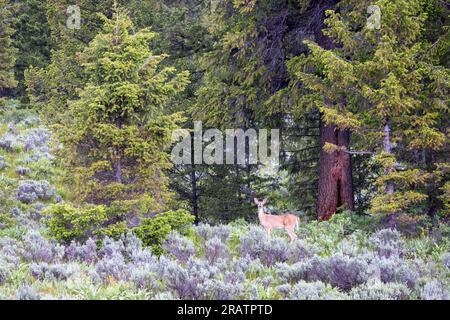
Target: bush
{"points": [[5, 272], [338, 270], [82, 253], [23, 171], [11, 251], [9, 142], [346, 272], [446, 260], [256, 244], [132, 246], [111, 268], [397, 270], [216, 250], [207, 231], [239, 265], [37, 138], [30, 190], [314, 291], [144, 277], [178, 279], [180, 247], [215, 289], [67, 223], [376, 290], [39, 249], [284, 290], [27, 293], [197, 280], [434, 290], [300, 250], [153, 231], [111, 247], [387, 243], [37, 156], [59, 272]]}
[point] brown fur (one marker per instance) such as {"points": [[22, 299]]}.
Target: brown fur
{"points": [[289, 222]]}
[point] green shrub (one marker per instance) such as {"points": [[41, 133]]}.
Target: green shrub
{"points": [[153, 231], [6, 220], [114, 230], [67, 223]]}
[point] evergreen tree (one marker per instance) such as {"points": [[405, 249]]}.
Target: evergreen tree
{"points": [[117, 140], [374, 84], [50, 88], [7, 51], [32, 39]]}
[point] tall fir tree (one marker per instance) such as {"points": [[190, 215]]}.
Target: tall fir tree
{"points": [[32, 39], [51, 87], [7, 50], [374, 85], [118, 138]]}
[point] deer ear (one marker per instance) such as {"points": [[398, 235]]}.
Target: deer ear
{"points": [[264, 201], [256, 200]]}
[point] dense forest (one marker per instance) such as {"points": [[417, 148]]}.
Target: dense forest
{"points": [[93, 205]]}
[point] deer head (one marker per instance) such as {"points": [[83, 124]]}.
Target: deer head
{"points": [[260, 204]]}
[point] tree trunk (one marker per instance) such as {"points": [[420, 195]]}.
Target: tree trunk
{"points": [[118, 170], [117, 166], [387, 148], [335, 169], [345, 182], [335, 173], [194, 189], [433, 201]]}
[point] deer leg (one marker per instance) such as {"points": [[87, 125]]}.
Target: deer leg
{"points": [[291, 234], [268, 231]]}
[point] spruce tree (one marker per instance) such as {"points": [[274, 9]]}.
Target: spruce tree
{"points": [[374, 85], [117, 140], [50, 87], [7, 51], [32, 39]]}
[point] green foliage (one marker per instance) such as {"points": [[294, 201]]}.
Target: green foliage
{"points": [[51, 87], [7, 51], [6, 220], [67, 223], [32, 39], [153, 231], [115, 146], [376, 83]]}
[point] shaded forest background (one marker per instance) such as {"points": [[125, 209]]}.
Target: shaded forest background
{"points": [[363, 112]]}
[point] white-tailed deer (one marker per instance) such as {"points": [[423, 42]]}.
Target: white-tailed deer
{"points": [[288, 222]]}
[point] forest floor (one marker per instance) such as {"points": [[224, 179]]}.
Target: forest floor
{"points": [[344, 258]]}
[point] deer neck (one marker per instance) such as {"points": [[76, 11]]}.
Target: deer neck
{"points": [[261, 214]]}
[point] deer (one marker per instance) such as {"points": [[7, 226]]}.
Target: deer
{"points": [[288, 222]]}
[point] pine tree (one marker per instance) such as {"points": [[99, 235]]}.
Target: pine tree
{"points": [[118, 138], [373, 84], [7, 51], [51, 87], [32, 39]]}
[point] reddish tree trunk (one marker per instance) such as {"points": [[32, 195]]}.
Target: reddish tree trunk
{"points": [[346, 178], [335, 173], [335, 169]]}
